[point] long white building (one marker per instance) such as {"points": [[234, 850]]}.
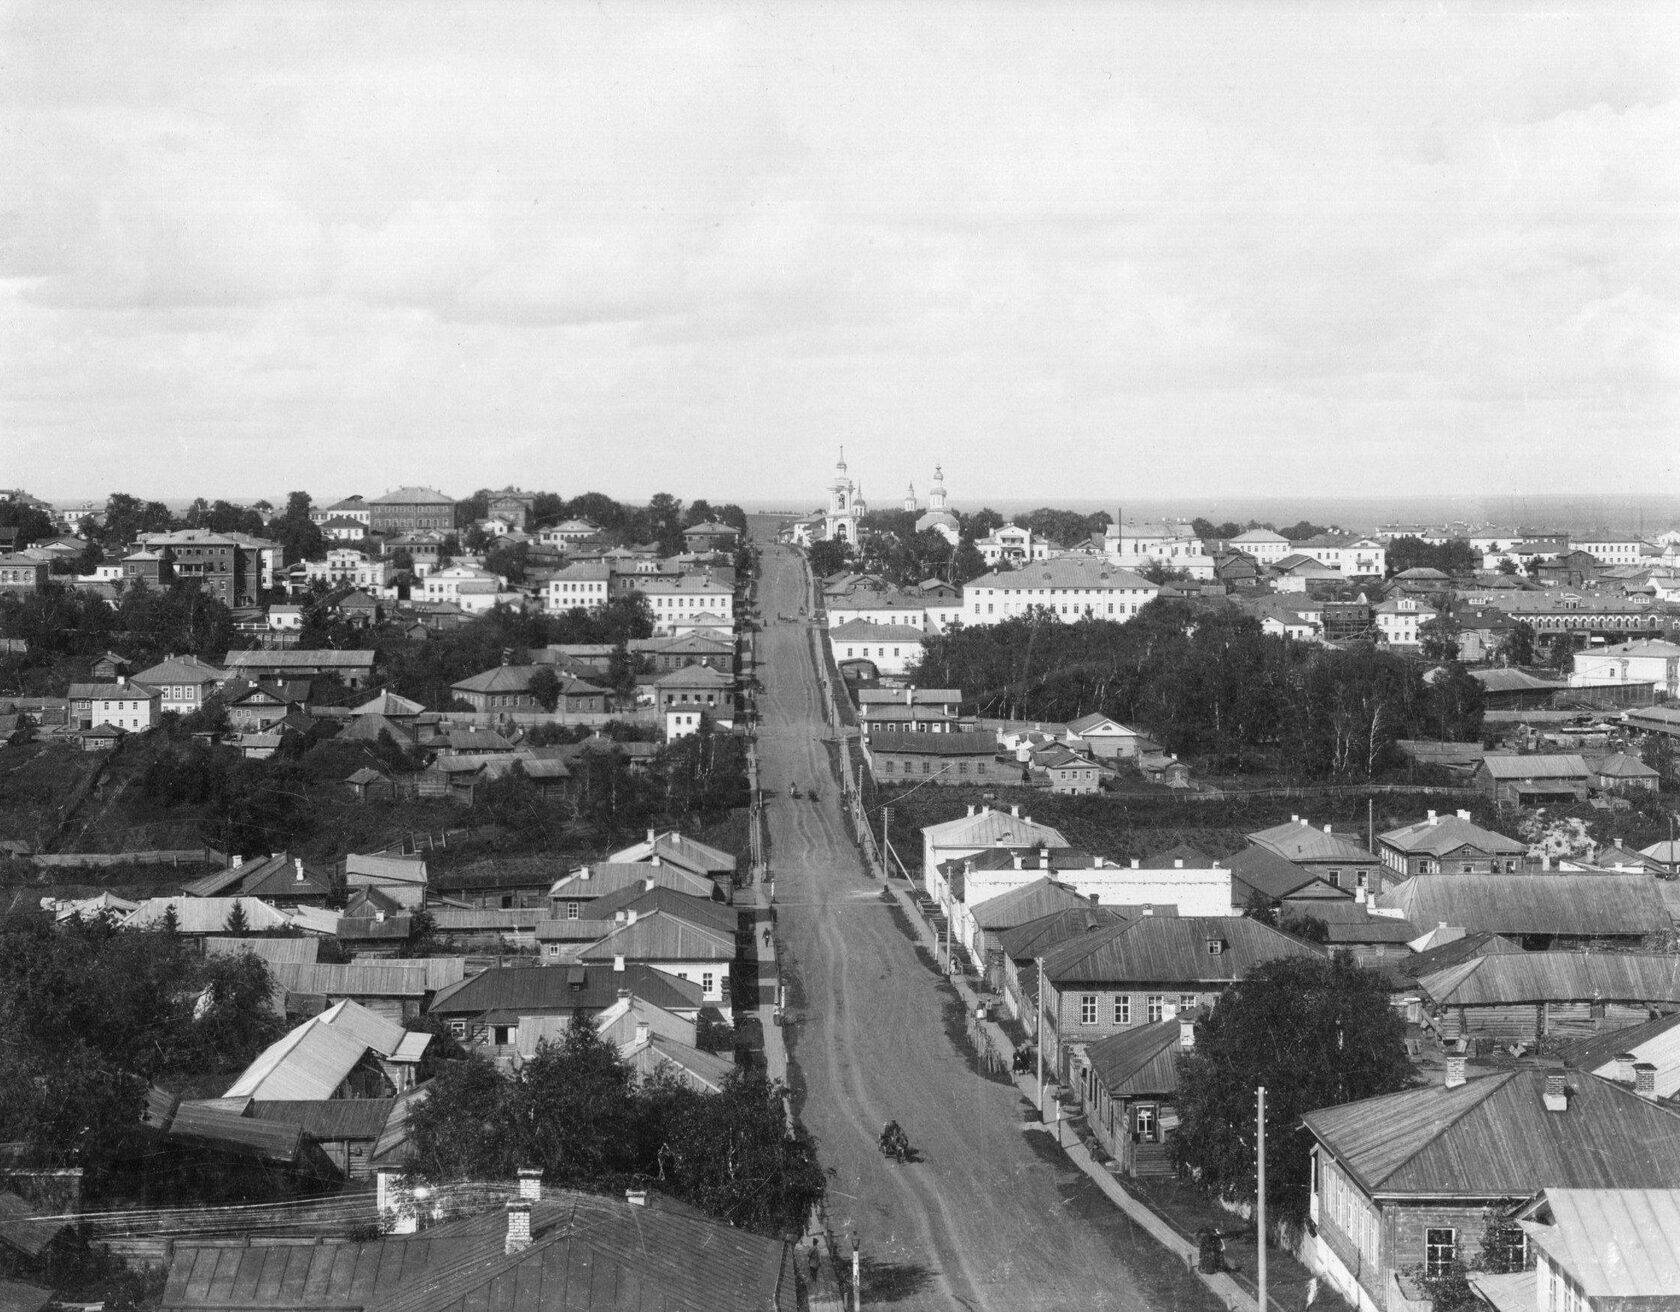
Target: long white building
{"points": [[1070, 587]]}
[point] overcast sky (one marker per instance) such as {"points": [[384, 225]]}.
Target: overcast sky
{"points": [[1078, 250]]}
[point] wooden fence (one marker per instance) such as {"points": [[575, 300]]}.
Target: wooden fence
{"points": [[167, 857]]}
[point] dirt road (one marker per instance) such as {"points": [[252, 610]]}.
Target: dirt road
{"points": [[990, 1217]]}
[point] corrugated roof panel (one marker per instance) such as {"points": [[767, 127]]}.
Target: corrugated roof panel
{"points": [[1600, 904]]}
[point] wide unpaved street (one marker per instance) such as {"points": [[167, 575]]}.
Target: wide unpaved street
{"points": [[989, 1217]]}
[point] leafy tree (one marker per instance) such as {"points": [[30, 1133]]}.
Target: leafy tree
{"points": [[1518, 648], [32, 523], [545, 687], [829, 557], [733, 1155], [300, 537], [463, 1129], [1438, 637], [1304, 529], [967, 563], [574, 1108], [981, 524], [1315, 1033], [1305, 925]]}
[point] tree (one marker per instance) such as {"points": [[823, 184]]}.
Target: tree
{"points": [[545, 687], [1315, 1033], [462, 1131], [967, 563], [238, 923], [299, 536], [1518, 648], [1438, 637], [829, 557], [1301, 531]]}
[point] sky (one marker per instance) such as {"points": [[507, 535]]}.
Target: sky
{"points": [[1062, 249]]}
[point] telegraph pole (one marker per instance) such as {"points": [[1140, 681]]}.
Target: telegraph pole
{"points": [[1260, 1200]]}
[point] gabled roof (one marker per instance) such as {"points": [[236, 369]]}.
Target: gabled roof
{"points": [[1600, 904], [1620, 765], [869, 631], [387, 867], [717, 916], [1034, 938], [989, 828], [606, 878], [410, 496], [1141, 1060], [1536, 767], [357, 979], [662, 936], [921, 742], [1042, 897], [1454, 952], [206, 915], [388, 704], [536, 989], [1533, 977], [1598, 1050], [300, 658], [1262, 869], [1615, 1243], [268, 876], [678, 849], [1097, 722], [1449, 833], [1493, 1137], [1301, 841], [694, 676], [1171, 949]]}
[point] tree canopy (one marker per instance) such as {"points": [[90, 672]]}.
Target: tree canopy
{"points": [[578, 1111], [1316, 1033]]}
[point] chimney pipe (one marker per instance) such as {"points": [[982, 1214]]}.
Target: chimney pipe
{"points": [[618, 965], [1556, 1096], [649, 885], [1187, 1029], [1463, 815], [1359, 896], [1019, 864], [641, 1031], [636, 1197], [650, 837], [1326, 828], [1433, 819], [623, 994], [1015, 810], [1178, 863], [630, 915], [971, 810], [518, 1226], [297, 863], [1134, 863], [1645, 1080], [1623, 1074], [530, 1182], [1455, 1069]]}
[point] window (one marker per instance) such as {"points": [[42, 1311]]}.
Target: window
{"points": [[1186, 1001], [1144, 1125], [706, 982], [1335, 878], [1088, 1009], [1215, 946], [1439, 1249], [574, 910], [1153, 1006], [1122, 1008]]}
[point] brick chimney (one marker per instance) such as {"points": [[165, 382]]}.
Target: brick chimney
{"points": [[618, 965], [1623, 1071], [1645, 1080], [1455, 1069], [530, 1183], [1434, 819], [636, 1197], [1464, 815], [1556, 1096], [297, 864], [1134, 863], [1178, 863], [584, 873], [518, 1226], [1015, 810]]}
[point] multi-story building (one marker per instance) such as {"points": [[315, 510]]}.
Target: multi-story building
{"points": [[1611, 548], [1443, 844], [1137, 546], [1654, 663], [1399, 620], [680, 599], [1070, 587], [231, 567], [183, 682], [347, 566], [1264, 545], [513, 506], [582, 585], [1011, 544], [352, 507], [1348, 554], [126, 704], [411, 509], [22, 573]]}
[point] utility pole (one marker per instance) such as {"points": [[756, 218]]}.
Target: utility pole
{"points": [[886, 817], [1260, 1199], [1039, 1042], [857, 1284]]}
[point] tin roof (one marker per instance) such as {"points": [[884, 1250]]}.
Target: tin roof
{"points": [[1449, 833], [533, 990], [662, 936], [1526, 977], [1140, 1060], [336, 1118], [1032, 901], [1171, 949], [1493, 1137], [1569, 766], [1615, 1243], [1600, 904], [1034, 938]]}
